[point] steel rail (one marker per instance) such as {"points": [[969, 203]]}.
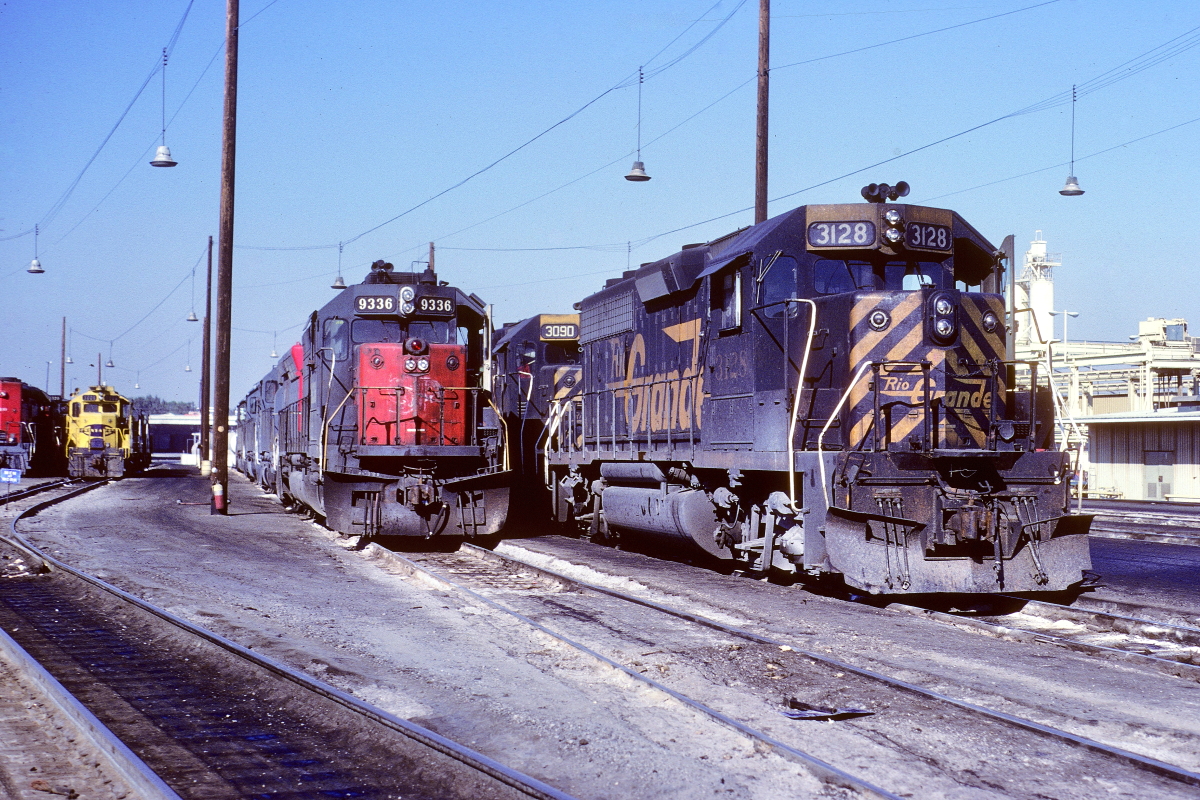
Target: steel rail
{"points": [[819, 768], [422, 736], [41, 487], [1141, 762], [1095, 622], [115, 753]]}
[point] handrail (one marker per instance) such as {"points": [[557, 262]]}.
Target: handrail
{"points": [[837, 410], [812, 327]]}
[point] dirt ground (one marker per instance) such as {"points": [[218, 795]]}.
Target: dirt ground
{"points": [[274, 582]]}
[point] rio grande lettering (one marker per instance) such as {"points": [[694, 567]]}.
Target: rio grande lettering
{"points": [[666, 400]]}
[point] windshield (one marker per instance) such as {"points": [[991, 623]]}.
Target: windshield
{"points": [[833, 276]]}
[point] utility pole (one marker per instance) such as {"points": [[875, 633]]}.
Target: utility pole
{"points": [[205, 374], [760, 134], [220, 482]]}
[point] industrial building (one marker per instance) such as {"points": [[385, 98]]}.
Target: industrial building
{"points": [[1130, 410]]}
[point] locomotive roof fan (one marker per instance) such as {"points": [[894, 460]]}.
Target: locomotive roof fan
{"points": [[881, 192]]}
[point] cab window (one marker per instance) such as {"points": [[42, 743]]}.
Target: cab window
{"points": [[832, 276], [371, 331], [725, 299], [778, 283], [336, 338]]}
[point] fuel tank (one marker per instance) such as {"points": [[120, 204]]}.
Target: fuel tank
{"points": [[684, 514]]}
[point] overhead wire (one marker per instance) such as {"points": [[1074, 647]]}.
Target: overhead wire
{"points": [[1152, 57], [629, 82], [66, 195], [625, 82]]}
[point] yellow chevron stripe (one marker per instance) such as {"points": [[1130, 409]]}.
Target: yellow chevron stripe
{"points": [[900, 314]]}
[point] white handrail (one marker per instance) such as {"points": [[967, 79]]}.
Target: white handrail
{"points": [[812, 326], [821, 438]]}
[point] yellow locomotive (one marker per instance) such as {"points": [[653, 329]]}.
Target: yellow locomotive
{"points": [[105, 438]]}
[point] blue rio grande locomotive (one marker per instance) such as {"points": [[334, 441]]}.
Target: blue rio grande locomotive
{"points": [[826, 393], [375, 419]]}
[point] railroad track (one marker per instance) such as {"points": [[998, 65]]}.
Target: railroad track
{"points": [[1107, 629], [1023, 757], [39, 488], [214, 720]]}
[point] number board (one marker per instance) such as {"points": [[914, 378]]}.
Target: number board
{"points": [[375, 304], [851, 234], [435, 306], [921, 236], [558, 331]]}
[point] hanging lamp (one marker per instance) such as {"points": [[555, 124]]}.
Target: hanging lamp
{"points": [[109, 363], [162, 158], [35, 266], [338, 283], [273, 338], [638, 171], [1071, 189]]}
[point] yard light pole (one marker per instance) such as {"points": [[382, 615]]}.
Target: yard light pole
{"points": [[1065, 315]]}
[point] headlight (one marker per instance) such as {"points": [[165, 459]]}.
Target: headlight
{"points": [[407, 308], [944, 328], [411, 365], [943, 306], [990, 322], [423, 365], [879, 319], [892, 235], [892, 216], [407, 294]]}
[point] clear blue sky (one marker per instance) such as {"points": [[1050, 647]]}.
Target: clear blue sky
{"points": [[352, 113]]}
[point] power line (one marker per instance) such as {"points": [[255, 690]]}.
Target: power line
{"points": [[623, 83]]}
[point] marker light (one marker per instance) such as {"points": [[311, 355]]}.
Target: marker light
{"points": [[990, 322]]}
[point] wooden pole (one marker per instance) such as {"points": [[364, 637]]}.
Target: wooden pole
{"points": [[220, 476], [760, 134]]}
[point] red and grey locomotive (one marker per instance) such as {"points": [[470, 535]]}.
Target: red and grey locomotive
{"points": [[375, 418], [31, 431], [825, 392]]}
